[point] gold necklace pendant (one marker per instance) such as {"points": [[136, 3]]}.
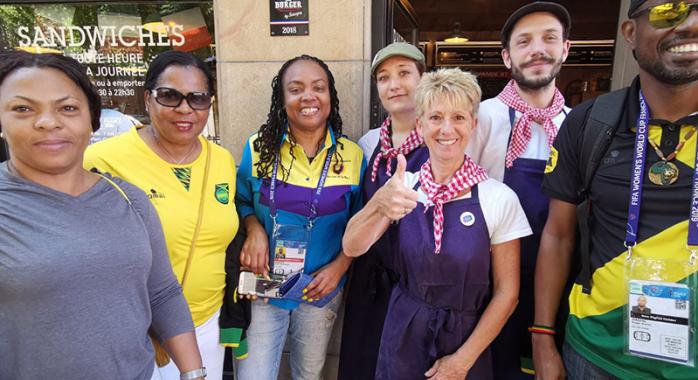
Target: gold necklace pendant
{"points": [[663, 173]]}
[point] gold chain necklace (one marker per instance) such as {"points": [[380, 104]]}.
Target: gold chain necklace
{"points": [[177, 162], [665, 172]]}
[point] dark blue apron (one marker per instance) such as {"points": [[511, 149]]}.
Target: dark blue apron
{"points": [[512, 349], [439, 298], [371, 280]]}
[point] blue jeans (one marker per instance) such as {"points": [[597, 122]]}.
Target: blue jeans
{"points": [[309, 329], [579, 368]]}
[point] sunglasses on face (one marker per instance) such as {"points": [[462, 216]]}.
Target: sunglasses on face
{"points": [[667, 15], [170, 97]]}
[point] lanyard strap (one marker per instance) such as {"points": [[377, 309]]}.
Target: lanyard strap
{"points": [[693, 220], [637, 179], [316, 194], [637, 174]]}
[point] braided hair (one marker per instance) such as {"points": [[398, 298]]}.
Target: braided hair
{"points": [[268, 142]]}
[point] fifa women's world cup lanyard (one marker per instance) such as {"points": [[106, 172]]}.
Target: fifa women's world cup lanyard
{"points": [[290, 241], [658, 318]]}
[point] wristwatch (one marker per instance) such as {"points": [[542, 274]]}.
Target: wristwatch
{"points": [[193, 374]]}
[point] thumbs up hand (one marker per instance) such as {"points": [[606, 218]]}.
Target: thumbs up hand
{"points": [[390, 203], [395, 200], [399, 174]]}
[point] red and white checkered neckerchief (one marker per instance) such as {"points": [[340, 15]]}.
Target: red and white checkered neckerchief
{"points": [[521, 135], [469, 175], [413, 141]]}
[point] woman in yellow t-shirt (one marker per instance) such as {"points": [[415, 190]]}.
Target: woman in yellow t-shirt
{"points": [[191, 183]]}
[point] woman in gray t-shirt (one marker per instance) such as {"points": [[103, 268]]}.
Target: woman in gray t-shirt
{"points": [[84, 272]]}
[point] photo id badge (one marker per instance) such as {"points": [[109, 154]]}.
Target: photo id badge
{"points": [[290, 244], [659, 321]]}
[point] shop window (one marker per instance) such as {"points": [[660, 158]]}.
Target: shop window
{"points": [[116, 42]]}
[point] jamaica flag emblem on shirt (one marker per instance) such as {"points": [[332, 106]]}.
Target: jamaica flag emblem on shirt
{"points": [[222, 193]]}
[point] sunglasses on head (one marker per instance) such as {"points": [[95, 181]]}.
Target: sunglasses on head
{"points": [[667, 15], [170, 97]]}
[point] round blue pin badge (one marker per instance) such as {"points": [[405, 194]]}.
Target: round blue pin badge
{"points": [[467, 218]]}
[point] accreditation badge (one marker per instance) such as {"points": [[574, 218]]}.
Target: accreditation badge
{"points": [[658, 318], [290, 244], [659, 315]]}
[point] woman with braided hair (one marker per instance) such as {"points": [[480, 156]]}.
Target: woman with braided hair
{"points": [[298, 185], [456, 229]]}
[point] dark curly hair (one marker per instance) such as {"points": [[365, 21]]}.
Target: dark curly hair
{"points": [[268, 142], [13, 60]]}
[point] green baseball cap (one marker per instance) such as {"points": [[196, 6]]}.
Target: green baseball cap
{"points": [[402, 49]]}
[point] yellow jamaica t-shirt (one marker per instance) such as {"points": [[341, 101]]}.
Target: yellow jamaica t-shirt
{"points": [[175, 191]]}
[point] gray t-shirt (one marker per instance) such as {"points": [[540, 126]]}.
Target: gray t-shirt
{"points": [[81, 280]]}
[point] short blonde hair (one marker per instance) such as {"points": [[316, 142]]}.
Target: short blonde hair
{"points": [[453, 86]]}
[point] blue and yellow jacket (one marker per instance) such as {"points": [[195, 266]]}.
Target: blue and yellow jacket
{"points": [[339, 200]]}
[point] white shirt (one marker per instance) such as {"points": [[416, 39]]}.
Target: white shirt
{"points": [[504, 217], [369, 142], [488, 145]]}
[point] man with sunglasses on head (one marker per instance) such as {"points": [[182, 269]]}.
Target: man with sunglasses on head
{"points": [[512, 141], [638, 192]]}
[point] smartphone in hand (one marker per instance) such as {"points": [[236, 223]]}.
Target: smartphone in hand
{"points": [[252, 284]]}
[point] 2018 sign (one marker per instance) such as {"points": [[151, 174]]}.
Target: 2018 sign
{"points": [[289, 18]]}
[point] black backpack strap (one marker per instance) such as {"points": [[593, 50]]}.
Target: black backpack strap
{"points": [[599, 129]]}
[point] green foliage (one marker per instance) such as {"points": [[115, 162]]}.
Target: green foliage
{"points": [[13, 16]]}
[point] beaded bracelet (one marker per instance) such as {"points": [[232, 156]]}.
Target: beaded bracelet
{"points": [[540, 329]]}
